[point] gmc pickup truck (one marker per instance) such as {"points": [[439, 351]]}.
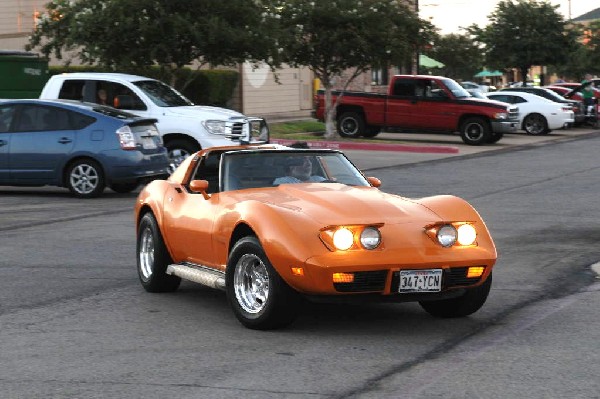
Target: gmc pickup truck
{"points": [[184, 126], [422, 103]]}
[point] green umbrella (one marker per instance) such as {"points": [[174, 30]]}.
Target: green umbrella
{"points": [[428, 62], [486, 74]]}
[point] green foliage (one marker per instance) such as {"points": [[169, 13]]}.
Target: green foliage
{"points": [[461, 56], [204, 87], [345, 38], [137, 34], [523, 33]]}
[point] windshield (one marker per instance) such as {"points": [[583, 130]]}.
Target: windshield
{"points": [[456, 89], [254, 169], [162, 94]]}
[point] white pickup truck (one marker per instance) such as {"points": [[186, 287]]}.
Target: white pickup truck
{"points": [[185, 127]]}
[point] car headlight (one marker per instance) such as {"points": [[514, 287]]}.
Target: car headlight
{"points": [[456, 233], [466, 234], [370, 238], [345, 238], [446, 235], [215, 127], [501, 115]]}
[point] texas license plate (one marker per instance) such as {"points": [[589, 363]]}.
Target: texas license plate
{"points": [[429, 280]]}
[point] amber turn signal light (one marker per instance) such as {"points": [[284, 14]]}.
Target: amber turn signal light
{"points": [[473, 272], [343, 277]]}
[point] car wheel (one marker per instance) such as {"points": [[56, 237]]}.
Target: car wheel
{"points": [[180, 149], [153, 258], [85, 178], [535, 124], [495, 137], [371, 131], [350, 125], [468, 303], [259, 297], [475, 131], [124, 188]]}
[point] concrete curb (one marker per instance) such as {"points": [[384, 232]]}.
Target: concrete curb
{"points": [[337, 145]]}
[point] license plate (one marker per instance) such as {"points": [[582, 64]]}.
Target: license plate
{"points": [[429, 280], [148, 143]]}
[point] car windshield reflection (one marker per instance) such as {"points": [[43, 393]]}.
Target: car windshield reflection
{"points": [[257, 169]]}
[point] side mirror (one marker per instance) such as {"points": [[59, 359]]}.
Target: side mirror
{"points": [[373, 181], [200, 186]]}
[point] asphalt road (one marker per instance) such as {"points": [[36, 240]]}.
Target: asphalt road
{"points": [[75, 323]]}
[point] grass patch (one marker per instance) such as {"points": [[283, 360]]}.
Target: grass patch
{"points": [[283, 129]]}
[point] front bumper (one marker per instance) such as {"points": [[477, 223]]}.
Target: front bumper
{"points": [[505, 126]]}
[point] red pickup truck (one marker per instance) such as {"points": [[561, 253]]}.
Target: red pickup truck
{"points": [[422, 103]]}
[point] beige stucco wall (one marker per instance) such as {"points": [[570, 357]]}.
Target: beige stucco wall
{"points": [[263, 96], [17, 19]]}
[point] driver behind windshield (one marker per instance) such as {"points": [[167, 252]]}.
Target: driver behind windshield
{"points": [[298, 170]]}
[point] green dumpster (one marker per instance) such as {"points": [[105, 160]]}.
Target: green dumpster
{"points": [[22, 74]]}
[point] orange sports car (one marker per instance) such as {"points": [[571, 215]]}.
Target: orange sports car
{"points": [[274, 225]]}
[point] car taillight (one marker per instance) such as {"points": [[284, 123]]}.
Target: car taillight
{"points": [[126, 138], [567, 109]]}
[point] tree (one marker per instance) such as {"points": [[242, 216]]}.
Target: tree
{"points": [[135, 34], [461, 56], [338, 38], [522, 34]]}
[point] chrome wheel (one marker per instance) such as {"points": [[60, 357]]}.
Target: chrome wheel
{"points": [[178, 155], [251, 283], [146, 253], [84, 179], [535, 124], [474, 131]]}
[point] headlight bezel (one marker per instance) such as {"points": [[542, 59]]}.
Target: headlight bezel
{"points": [[363, 237], [453, 234]]}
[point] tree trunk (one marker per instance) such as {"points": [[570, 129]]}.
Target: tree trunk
{"points": [[524, 71], [330, 113]]}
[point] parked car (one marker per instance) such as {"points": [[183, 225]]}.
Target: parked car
{"points": [[573, 86], [233, 218], [81, 146], [474, 87], [537, 115], [548, 94]]}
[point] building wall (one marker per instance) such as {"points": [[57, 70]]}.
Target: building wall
{"points": [[17, 20], [263, 96]]}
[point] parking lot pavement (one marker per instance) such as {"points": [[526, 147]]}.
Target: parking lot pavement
{"points": [[389, 149]]}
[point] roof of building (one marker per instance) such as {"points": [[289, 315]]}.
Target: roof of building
{"points": [[588, 16]]}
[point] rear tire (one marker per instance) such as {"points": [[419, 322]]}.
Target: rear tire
{"points": [[259, 297], [351, 125], [371, 131], [535, 124], [468, 303], [475, 131], [85, 178]]}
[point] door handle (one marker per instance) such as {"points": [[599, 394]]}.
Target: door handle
{"points": [[64, 140]]}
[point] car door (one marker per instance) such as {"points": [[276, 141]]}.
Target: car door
{"points": [[189, 217], [40, 143], [402, 104], [7, 113]]}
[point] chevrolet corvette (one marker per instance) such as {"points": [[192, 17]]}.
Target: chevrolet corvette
{"points": [[275, 226]]}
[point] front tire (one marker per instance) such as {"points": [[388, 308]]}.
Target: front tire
{"points": [[85, 178], [259, 297], [351, 125], [153, 258], [180, 149], [535, 124], [475, 131], [468, 303]]}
